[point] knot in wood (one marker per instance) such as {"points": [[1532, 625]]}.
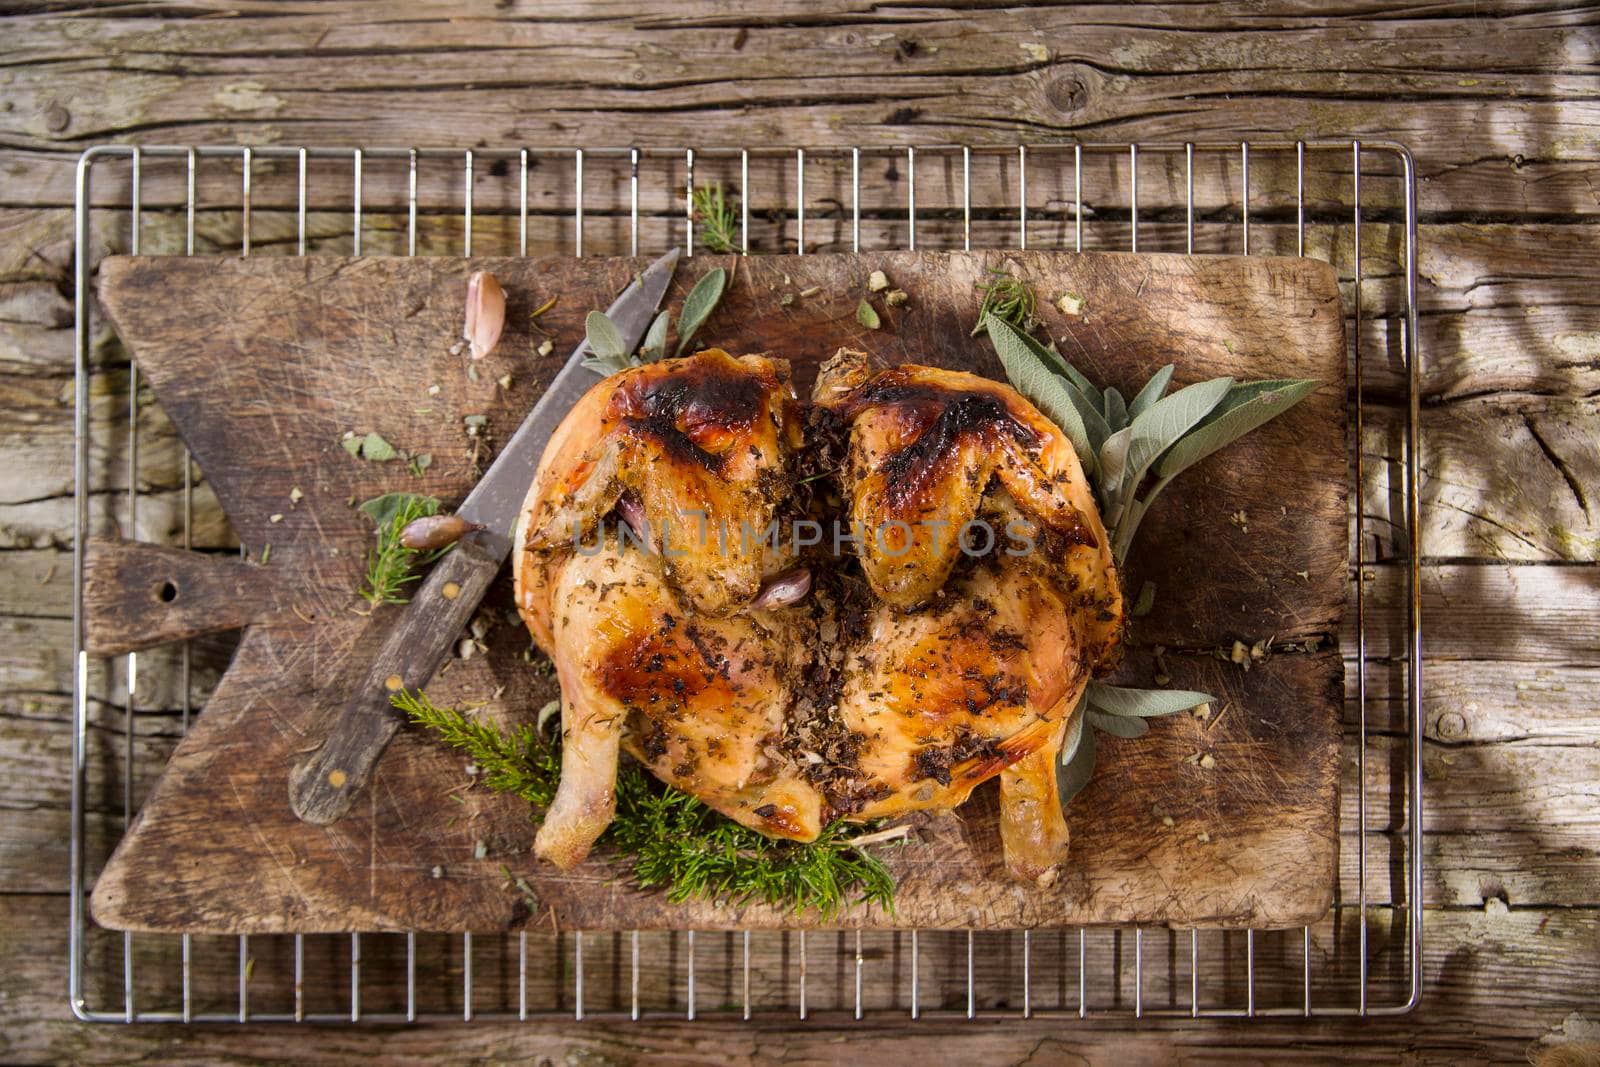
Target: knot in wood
{"points": [[1067, 93]]}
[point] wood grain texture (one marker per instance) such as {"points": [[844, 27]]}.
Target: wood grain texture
{"points": [[1507, 82], [1480, 1008], [263, 372], [137, 596]]}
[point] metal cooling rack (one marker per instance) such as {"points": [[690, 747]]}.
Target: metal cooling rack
{"points": [[1364, 959]]}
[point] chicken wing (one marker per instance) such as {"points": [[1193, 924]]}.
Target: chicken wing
{"points": [[696, 449]]}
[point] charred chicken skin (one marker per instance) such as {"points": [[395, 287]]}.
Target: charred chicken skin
{"points": [[947, 635]]}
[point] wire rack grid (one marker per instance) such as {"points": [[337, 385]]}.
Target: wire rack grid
{"points": [[1306, 198]]}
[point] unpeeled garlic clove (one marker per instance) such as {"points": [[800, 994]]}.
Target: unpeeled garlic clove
{"points": [[486, 313], [783, 590], [436, 531], [632, 512]]}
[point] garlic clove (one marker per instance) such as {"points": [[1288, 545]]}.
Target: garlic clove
{"points": [[486, 313], [783, 590], [436, 531]]}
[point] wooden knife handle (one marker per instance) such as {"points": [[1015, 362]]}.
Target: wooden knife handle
{"points": [[323, 785]]}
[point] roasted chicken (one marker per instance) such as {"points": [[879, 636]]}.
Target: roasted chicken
{"points": [[953, 611]]}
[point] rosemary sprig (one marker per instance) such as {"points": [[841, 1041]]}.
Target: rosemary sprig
{"points": [[391, 565], [717, 213], [1008, 298], [675, 842], [522, 762]]}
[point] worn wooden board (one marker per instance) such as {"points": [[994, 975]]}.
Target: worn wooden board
{"points": [[262, 365]]}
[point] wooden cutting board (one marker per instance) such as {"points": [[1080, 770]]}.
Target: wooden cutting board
{"points": [[264, 364]]}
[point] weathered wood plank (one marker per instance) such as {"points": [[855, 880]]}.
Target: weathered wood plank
{"points": [[1523, 786], [1504, 308], [38, 761], [936, 78], [136, 596], [1479, 1004], [36, 654], [38, 583], [1533, 456], [35, 846], [1479, 701], [1492, 612]]}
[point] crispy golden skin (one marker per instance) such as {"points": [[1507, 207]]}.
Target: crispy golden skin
{"points": [[698, 700], [699, 445], [897, 688]]}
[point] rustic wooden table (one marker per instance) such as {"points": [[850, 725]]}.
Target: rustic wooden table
{"points": [[1500, 106]]}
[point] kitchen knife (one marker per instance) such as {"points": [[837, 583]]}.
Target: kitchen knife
{"points": [[322, 786]]}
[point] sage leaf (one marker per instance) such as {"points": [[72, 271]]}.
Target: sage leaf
{"points": [[1118, 700], [1058, 363], [1245, 407], [605, 340], [1033, 379], [1113, 463], [1118, 725], [609, 365], [1085, 397], [1116, 410], [1146, 601], [376, 449], [1169, 419], [866, 316], [1074, 772], [699, 304], [655, 339], [1074, 734], [382, 510], [1153, 390]]}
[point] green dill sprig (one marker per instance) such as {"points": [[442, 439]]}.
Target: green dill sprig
{"points": [[391, 566], [675, 842], [717, 213], [1008, 298]]}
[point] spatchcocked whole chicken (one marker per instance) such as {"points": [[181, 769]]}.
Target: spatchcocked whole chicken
{"points": [[852, 611]]}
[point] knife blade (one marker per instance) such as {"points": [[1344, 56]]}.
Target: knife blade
{"points": [[323, 785]]}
